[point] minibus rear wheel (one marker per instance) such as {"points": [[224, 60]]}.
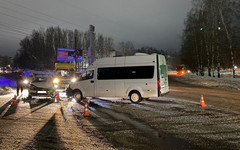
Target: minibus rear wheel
{"points": [[135, 97], [77, 95]]}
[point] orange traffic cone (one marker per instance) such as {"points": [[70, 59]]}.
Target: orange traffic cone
{"points": [[57, 97], [202, 103], [14, 102], [85, 114]]}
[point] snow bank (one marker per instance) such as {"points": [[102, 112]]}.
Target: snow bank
{"points": [[4, 81], [5, 90], [225, 82], [6, 85]]}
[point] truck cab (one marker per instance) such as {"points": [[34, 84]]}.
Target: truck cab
{"points": [[64, 74]]}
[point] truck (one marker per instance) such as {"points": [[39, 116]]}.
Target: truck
{"points": [[64, 74], [134, 77]]}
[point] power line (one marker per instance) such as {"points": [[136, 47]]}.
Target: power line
{"points": [[14, 26], [8, 27], [20, 19], [28, 15], [15, 32], [39, 12]]}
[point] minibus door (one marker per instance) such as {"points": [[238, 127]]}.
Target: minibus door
{"points": [[88, 83], [163, 78]]}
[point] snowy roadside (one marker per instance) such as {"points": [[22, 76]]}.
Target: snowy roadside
{"points": [[6, 90], [225, 82], [6, 85]]}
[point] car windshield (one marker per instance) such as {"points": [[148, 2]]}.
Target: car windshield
{"points": [[64, 73]]}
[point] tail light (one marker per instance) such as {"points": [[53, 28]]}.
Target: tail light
{"points": [[158, 84]]}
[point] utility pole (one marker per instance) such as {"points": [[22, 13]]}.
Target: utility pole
{"points": [[75, 46], [91, 53]]}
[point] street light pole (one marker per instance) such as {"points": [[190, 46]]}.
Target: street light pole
{"points": [[75, 58]]}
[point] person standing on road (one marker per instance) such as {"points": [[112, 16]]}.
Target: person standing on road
{"points": [[19, 81]]}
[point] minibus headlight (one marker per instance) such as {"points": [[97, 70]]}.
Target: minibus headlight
{"points": [[55, 80], [73, 80]]}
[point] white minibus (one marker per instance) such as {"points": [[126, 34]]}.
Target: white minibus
{"points": [[134, 77]]}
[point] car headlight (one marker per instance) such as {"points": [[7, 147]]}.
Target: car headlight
{"points": [[73, 80], [55, 80], [25, 81]]}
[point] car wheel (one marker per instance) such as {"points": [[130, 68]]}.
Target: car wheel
{"points": [[69, 92], [77, 95], [135, 97]]}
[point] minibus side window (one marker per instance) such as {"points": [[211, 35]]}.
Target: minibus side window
{"points": [[131, 72], [163, 71]]}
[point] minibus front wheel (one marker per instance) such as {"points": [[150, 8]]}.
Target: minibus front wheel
{"points": [[77, 94], [135, 97]]}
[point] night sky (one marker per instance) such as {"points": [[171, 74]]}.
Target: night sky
{"points": [[155, 23]]}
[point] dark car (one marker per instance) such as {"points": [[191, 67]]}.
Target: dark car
{"points": [[41, 86]]}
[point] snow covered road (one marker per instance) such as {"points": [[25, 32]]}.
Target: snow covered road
{"points": [[174, 121], [41, 124]]}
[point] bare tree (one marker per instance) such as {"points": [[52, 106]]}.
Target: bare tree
{"points": [[39, 50], [215, 20], [126, 48]]}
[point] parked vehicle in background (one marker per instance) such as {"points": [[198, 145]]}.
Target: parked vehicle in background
{"points": [[6, 70], [41, 86], [181, 70], [136, 77]]}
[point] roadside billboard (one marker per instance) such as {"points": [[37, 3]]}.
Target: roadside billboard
{"points": [[68, 55]]}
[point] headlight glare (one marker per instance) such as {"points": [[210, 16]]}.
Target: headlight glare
{"points": [[55, 80], [25, 81], [73, 80]]}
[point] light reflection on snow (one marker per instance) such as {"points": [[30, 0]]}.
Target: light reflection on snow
{"points": [[115, 100], [92, 108], [105, 105], [74, 100]]}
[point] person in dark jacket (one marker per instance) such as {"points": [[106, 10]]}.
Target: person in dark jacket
{"points": [[19, 81]]}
